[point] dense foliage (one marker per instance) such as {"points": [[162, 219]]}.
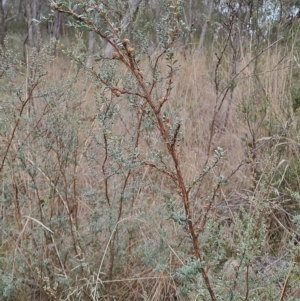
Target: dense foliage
{"points": [[149, 150]]}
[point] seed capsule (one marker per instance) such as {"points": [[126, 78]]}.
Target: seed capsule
{"points": [[125, 42], [161, 100], [129, 50], [141, 74], [53, 5], [115, 55]]}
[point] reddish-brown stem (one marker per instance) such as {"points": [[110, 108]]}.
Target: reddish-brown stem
{"points": [[127, 60], [9, 143]]}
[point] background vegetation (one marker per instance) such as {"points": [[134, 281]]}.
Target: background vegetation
{"points": [[149, 150]]}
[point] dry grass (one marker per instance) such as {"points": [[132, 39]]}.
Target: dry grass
{"points": [[146, 225]]}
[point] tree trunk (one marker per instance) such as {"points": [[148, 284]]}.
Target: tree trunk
{"points": [[55, 31], [3, 16], [32, 8], [36, 7], [28, 17], [89, 60], [204, 28]]}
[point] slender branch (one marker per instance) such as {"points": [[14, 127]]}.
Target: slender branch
{"points": [[9, 143]]}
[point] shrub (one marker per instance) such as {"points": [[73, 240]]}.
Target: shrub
{"points": [[111, 192]]}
